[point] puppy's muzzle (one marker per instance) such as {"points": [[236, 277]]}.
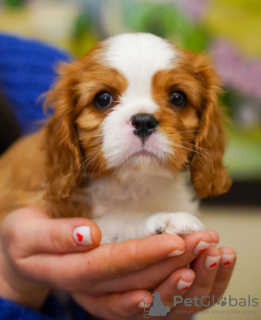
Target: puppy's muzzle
{"points": [[145, 124]]}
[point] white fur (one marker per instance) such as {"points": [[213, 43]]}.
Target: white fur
{"points": [[138, 57], [141, 54], [128, 206], [143, 197], [119, 142]]}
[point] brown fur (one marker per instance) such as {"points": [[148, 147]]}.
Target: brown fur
{"points": [[49, 168], [196, 130], [208, 174]]}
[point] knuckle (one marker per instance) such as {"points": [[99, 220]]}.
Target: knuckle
{"points": [[113, 267], [56, 241], [134, 255], [59, 240]]}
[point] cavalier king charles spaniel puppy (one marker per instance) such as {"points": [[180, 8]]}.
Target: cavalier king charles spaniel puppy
{"points": [[135, 136]]}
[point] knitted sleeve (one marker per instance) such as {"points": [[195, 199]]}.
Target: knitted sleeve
{"points": [[27, 70], [12, 311], [53, 309]]}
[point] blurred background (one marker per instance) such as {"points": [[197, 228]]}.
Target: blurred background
{"points": [[230, 31]]}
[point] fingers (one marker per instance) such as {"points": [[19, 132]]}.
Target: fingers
{"points": [[29, 231], [176, 285], [116, 306], [224, 273], [84, 270], [158, 272], [214, 235], [182, 292], [136, 254], [198, 295]]}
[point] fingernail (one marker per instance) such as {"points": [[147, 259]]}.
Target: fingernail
{"points": [[183, 285], [82, 235], [227, 259], [147, 303], [201, 247], [175, 253], [211, 262], [141, 305]]}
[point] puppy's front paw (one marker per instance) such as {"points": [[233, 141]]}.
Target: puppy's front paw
{"points": [[175, 223]]}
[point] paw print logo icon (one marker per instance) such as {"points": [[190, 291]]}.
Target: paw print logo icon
{"points": [[223, 302]]}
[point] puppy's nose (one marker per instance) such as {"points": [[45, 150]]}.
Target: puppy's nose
{"points": [[144, 124]]}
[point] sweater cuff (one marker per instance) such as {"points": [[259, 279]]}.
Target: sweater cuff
{"points": [[52, 310]]}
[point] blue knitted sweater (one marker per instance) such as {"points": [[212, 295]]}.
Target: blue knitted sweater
{"points": [[27, 69], [52, 310]]}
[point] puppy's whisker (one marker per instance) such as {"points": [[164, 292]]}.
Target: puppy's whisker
{"points": [[200, 173], [202, 149], [84, 160], [174, 156], [94, 168], [86, 165], [189, 149], [184, 164], [104, 163], [206, 155]]}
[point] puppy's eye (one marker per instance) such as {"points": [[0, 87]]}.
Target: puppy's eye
{"points": [[103, 100], [178, 99]]}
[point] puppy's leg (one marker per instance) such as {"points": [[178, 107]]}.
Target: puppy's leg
{"points": [[175, 223], [124, 227]]}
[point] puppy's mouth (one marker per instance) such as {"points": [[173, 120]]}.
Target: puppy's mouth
{"points": [[144, 153], [146, 156]]}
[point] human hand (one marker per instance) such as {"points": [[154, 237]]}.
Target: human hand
{"points": [[213, 270], [30, 243], [171, 278], [39, 253]]}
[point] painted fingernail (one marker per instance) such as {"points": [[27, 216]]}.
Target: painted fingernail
{"points": [[211, 262], [145, 302], [183, 285], [82, 235], [227, 259], [201, 247], [175, 253], [141, 305]]}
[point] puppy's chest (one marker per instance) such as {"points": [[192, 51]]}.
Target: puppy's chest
{"points": [[143, 196]]}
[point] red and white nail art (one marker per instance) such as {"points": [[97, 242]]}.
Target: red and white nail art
{"points": [[82, 235], [175, 253], [201, 247], [227, 259], [211, 262], [183, 285]]}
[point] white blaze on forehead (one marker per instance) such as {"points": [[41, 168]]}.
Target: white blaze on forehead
{"points": [[133, 53], [138, 56]]}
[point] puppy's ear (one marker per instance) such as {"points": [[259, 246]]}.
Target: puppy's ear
{"points": [[208, 174], [63, 154]]}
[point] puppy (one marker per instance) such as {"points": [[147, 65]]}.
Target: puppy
{"points": [[135, 134]]}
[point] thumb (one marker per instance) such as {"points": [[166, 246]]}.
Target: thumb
{"points": [[29, 231]]}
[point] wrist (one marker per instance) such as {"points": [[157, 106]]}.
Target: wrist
{"points": [[27, 294], [20, 290], [30, 296]]}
